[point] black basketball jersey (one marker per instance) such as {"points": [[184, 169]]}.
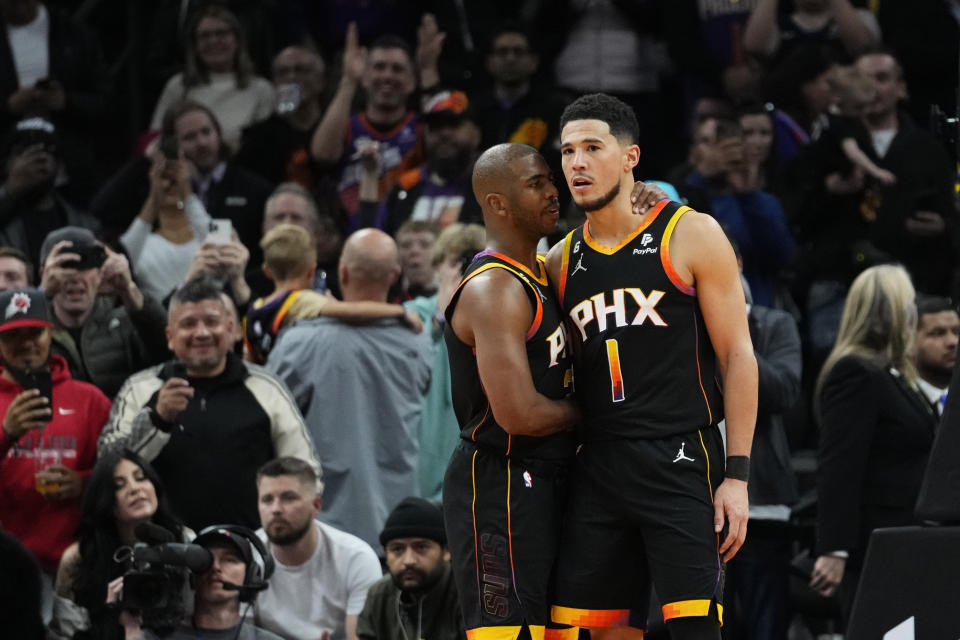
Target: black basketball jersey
{"points": [[643, 363], [549, 366]]}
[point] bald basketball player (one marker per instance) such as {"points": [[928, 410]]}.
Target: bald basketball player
{"points": [[510, 376]]}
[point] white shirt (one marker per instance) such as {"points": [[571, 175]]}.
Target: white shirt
{"points": [[308, 600], [934, 394], [31, 49]]}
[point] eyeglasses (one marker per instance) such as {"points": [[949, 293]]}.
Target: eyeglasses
{"points": [[214, 34]]}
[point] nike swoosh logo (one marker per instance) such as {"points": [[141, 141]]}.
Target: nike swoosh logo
{"points": [[66, 412]]}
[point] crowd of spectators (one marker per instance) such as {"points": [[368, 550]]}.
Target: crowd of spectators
{"points": [[228, 231]]}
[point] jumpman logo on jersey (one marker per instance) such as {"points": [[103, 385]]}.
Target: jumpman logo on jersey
{"points": [[681, 455], [579, 266]]}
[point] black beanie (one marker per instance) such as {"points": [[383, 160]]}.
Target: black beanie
{"points": [[415, 518]]}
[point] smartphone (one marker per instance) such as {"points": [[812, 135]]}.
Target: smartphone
{"points": [[220, 231], [91, 257], [169, 147], [40, 379], [178, 370]]}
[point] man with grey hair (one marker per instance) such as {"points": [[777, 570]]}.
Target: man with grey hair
{"points": [[290, 203], [369, 448], [206, 420]]}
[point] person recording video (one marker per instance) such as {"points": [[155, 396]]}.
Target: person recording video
{"points": [[239, 570], [48, 440]]}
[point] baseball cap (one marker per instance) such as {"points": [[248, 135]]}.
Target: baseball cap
{"points": [[32, 131], [80, 238], [447, 106], [221, 533], [415, 518], [23, 308]]}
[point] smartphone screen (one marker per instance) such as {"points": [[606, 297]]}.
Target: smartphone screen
{"points": [[40, 379], [220, 231]]}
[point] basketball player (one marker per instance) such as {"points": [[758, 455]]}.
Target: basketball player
{"points": [[510, 378], [662, 353]]}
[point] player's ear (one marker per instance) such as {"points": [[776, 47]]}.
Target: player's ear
{"points": [[631, 156], [497, 203]]}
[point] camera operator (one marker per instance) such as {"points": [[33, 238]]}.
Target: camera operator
{"points": [[104, 326], [48, 442], [234, 579], [123, 492]]}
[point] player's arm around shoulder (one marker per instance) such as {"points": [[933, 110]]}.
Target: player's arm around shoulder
{"points": [[554, 265], [703, 256], [493, 314]]}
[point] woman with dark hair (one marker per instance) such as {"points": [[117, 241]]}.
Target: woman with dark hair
{"points": [[123, 492], [219, 74], [799, 90], [759, 146]]}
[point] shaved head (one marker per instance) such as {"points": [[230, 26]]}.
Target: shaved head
{"points": [[492, 172], [371, 258]]}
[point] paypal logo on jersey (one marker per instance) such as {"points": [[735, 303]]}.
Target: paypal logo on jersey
{"points": [[644, 241]]}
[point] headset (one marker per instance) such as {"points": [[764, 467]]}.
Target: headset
{"points": [[258, 569]]}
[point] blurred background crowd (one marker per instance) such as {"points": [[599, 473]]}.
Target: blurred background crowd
{"points": [[309, 162]]}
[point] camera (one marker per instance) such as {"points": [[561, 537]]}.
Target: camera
{"points": [[154, 577], [91, 257]]}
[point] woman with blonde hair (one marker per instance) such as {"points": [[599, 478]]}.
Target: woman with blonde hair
{"points": [[876, 428], [218, 73]]}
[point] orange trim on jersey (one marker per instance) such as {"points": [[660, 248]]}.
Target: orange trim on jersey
{"points": [[494, 633], [473, 434], [473, 513], [569, 633], [541, 279], [690, 609], [384, 135], [665, 255], [513, 571], [284, 309], [564, 265], [609, 251], [409, 179], [590, 617], [696, 356], [538, 314], [707, 458]]}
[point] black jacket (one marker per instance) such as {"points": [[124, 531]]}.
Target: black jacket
{"points": [[875, 440], [776, 344], [434, 615]]}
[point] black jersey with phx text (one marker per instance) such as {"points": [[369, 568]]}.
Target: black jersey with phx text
{"points": [[547, 354], [644, 366]]}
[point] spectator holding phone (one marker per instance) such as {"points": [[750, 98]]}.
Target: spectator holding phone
{"points": [[162, 240], [31, 205], [104, 326], [223, 258], [50, 424], [206, 420]]}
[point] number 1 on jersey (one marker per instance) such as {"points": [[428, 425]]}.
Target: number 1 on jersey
{"points": [[616, 378]]}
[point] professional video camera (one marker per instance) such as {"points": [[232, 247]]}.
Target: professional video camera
{"points": [[154, 578]]}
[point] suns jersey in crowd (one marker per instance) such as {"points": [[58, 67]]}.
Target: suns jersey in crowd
{"points": [[546, 352], [643, 362]]}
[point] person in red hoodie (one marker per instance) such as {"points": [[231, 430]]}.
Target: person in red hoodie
{"points": [[51, 422]]}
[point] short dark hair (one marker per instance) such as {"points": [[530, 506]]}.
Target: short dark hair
{"points": [[16, 254], [599, 106], [511, 26], [391, 41], [933, 304], [290, 466], [197, 290]]}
